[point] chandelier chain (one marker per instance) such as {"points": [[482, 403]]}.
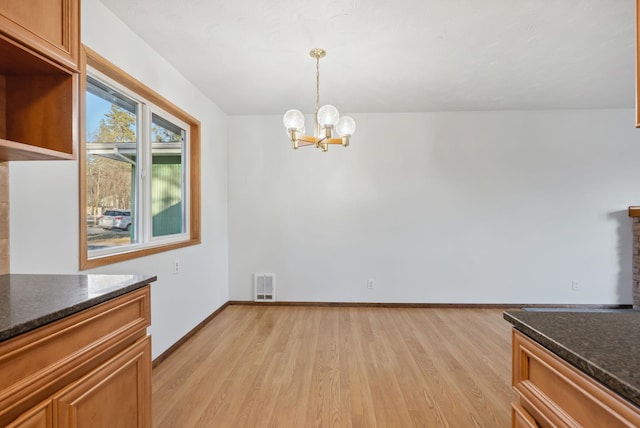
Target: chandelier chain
{"points": [[317, 84]]}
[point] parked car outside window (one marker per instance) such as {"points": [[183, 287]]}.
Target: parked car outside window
{"points": [[115, 219]]}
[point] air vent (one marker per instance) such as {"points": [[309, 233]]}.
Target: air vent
{"points": [[265, 286]]}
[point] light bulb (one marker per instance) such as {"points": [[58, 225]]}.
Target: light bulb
{"points": [[346, 126], [328, 116], [293, 120]]}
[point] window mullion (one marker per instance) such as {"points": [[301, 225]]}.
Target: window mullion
{"points": [[145, 183]]}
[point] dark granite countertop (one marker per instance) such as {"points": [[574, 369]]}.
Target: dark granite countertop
{"points": [[604, 345], [30, 301]]}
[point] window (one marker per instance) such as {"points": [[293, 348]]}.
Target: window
{"points": [[139, 169]]}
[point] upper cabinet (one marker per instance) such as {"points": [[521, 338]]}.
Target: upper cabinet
{"points": [[49, 27], [39, 79]]}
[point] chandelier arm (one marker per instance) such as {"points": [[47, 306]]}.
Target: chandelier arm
{"points": [[303, 143], [306, 139]]}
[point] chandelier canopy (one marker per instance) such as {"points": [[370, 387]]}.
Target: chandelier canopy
{"points": [[327, 121]]}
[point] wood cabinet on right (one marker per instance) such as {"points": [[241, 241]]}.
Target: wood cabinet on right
{"points": [[552, 393]]}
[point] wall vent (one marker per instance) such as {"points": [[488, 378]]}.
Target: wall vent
{"points": [[265, 287]]}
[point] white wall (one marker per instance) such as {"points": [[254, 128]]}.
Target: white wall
{"points": [[44, 197], [482, 207], [467, 207]]}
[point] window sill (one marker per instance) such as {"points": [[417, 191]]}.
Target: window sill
{"points": [[121, 257]]}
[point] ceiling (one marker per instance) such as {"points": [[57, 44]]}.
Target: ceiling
{"points": [[252, 56]]}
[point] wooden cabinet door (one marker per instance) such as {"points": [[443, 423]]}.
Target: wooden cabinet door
{"points": [[52, 27], [115, 395], [40, 416]]}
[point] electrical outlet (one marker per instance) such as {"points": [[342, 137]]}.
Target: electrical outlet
{"points": [[575, 285], [176, 266], [370, 284]]}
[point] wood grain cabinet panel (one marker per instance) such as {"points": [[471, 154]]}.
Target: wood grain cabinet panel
{"points": [[38, 417], [87, 365], [50, 27], [556, 394], [114, 395], [521, 418], [39, 79]]}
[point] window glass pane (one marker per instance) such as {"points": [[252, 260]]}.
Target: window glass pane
{"points": [[167, 183], [112, 135]]}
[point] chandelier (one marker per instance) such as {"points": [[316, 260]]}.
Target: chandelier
{"points": [[327, 121]]}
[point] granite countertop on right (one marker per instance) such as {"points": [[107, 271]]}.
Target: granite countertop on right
{"points": [[604, 345]]}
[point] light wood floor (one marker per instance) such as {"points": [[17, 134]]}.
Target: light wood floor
{"points": [[275, 366]]}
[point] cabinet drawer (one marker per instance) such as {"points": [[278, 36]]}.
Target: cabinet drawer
{"points": [[558, 394], [36, 364]]}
